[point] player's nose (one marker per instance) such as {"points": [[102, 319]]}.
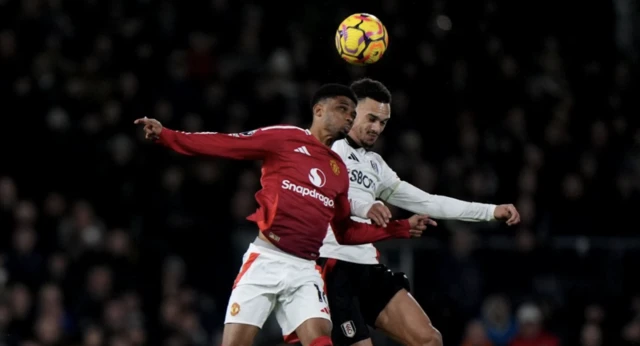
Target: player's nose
{"points": [[349, 120], [375, 127]]}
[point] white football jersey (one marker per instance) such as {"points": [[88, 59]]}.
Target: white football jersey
{"points": [[370, 178]]}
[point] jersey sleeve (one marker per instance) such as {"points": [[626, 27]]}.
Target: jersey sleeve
{"points": [[411, 198], [349, 232], [252, 145], [389, 180], [406, 196]]}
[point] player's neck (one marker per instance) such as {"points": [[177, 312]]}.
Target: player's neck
{"points": [[323, 136], [353, 142]]}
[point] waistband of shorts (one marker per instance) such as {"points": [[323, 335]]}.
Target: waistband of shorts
{"points": [[267, 248]]}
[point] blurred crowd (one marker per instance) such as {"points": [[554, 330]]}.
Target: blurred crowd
{"points": [[109, 240]]}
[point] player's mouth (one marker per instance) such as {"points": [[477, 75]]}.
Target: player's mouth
{"points": [[372, 136]]}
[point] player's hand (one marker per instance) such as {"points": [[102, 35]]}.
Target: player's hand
{"points": [[379, 214], [152, 127], [419, 223], [508, 213]]}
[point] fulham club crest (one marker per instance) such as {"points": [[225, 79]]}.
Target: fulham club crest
{"points": [[348, 329]]}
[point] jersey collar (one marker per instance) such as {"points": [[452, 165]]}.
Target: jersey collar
{"points": [[353, 143]]}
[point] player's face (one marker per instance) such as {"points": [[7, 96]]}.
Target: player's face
{"points": [[372, 117], [339, 113]]}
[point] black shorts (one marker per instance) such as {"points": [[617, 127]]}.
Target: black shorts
{"points": [[357, 293]]}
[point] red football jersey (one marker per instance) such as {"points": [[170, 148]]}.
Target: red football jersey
{"points": [[304, 186]]}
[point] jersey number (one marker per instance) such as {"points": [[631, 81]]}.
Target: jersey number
{"points": [[322, 298]]}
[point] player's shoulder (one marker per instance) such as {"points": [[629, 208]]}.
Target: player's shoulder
{"points": [[335, 158], [341, 147], [289, 130], [340, 144], [375, 156], [338, 166], [378, 164], [339, 161]]}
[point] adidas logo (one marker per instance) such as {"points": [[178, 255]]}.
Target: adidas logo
{"points": [[353, 157], [302, 150]]}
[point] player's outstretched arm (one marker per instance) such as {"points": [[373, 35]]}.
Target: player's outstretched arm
{"points": [[411, 198], [252, 145], [349, 232]]}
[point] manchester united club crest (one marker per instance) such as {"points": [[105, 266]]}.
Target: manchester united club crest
{"points": [[334, 167], [235, 309]]}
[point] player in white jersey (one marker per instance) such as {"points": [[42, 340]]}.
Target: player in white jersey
{"points": [[361, 291]]}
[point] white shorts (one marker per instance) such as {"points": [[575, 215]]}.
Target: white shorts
{"points": [[272, 280]]}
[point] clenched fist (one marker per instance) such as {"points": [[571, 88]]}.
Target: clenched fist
{"points": [[507, 212]]}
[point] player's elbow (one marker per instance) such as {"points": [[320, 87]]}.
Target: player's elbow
{"points": [[428, 337], [344, 240], [348, 240], [343, 237], [436, 338]]}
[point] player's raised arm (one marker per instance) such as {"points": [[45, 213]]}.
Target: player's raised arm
{"points": [[249, 145]]}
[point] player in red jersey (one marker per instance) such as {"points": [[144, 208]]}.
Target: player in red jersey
{"points": [[304, 188]]}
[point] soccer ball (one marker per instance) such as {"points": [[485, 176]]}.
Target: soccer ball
{"points": [[361, 39]]}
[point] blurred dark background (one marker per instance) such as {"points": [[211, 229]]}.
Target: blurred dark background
{"points": [[109, 240]]}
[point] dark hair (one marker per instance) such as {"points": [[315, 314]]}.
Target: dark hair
{"points": [[372, 89], [331, 90]]}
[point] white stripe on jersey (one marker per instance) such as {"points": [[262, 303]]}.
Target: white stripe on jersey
{"points": [[285, 127]]}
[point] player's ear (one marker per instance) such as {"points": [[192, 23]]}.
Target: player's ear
{"points": [[317, 109]]}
